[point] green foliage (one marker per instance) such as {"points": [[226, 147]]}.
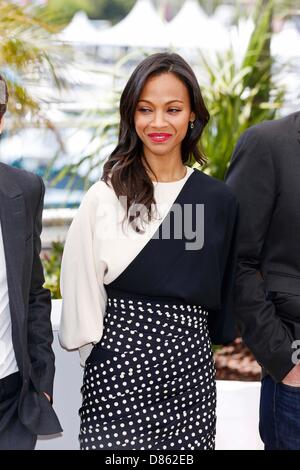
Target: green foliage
{"points": [[113, 10], [258, 57], [104, 126], [51, 263], [62, 12], [27, 54], [239, 95], [103, 133]]}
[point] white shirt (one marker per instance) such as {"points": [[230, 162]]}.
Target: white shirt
{"points": [[96, 252], [8, 363]]}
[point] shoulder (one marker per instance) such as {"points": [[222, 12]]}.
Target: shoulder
{"points": [[100, 188], [268, 132], [215, 188], [25, 179], [98, 193], [26, 182]]}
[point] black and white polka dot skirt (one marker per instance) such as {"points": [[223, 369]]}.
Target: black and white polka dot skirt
{"points": [[150, 382]]}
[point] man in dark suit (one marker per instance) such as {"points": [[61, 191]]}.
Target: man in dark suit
{"points": [[26, 356], [265, 175]]}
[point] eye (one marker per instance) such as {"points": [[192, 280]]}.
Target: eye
{"points": [[174, 110], [144, 110]]}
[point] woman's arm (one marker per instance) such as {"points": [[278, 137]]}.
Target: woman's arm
{"points": [[82, 288]]}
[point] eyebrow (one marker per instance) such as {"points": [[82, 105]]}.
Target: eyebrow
{"points": [[168, 102]]}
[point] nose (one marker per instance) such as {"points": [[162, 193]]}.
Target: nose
{"points": [[159, 120]]}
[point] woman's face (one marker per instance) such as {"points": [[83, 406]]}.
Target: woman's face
{"points": [[162, 115]]}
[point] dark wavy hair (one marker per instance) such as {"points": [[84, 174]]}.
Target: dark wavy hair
{"points": [[124, 167], [3, 96]]}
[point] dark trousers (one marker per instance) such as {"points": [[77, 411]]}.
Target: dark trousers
{"points": [[279, 424], [13, 434]]}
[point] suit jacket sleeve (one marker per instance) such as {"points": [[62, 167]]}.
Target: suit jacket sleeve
{"points": [[40, 336], [252, 177]]}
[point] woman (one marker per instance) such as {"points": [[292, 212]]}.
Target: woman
{"points": [[149, 299]]}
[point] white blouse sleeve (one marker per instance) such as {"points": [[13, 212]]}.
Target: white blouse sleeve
{"points": [[81, 282]]}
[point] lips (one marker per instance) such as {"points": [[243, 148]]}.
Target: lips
{"points": [[159, 136]]}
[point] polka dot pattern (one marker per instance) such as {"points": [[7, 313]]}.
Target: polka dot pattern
{"points": [[150, 382]]}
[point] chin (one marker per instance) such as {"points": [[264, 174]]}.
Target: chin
{"points": [[161, 153], [160, 148]]}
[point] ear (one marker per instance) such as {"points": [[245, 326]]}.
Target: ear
{"points": [[192, 116]]}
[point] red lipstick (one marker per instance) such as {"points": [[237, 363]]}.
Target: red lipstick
{"points": [[158, 137]]}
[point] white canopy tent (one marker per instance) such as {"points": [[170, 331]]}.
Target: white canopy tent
{"points": [[286, 43], [192, 28], [79, 30], [285, 48], [142, 27], [224, 14]]}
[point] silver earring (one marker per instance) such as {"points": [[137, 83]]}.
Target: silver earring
{"points": [[192, 125]]}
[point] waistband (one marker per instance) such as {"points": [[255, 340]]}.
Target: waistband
{"points": [[117, 294]]}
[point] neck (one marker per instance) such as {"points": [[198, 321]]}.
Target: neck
{"points": [[165, 171]]}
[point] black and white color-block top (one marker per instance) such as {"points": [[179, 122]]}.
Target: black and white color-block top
{"points": [[186, 253]]}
